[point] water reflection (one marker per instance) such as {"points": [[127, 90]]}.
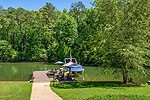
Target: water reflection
{"points": [[23, 72]]}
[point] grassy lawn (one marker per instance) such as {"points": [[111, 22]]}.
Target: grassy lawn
{"points": [[15, 91], [101, 91]]}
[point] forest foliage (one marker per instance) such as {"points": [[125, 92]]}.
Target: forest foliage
{"points": [[114, 33], [44, 35]]}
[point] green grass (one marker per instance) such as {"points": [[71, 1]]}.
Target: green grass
{"points": [[101, 91], [15, 91]]}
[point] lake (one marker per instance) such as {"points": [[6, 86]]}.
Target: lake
{"points": [[23, 72]]}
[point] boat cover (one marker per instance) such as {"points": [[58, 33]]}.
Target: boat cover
{"points": [[75, 68], [68, 64]]}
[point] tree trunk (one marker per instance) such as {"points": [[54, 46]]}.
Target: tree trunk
{"points": [[125, 75], [124, 72]]}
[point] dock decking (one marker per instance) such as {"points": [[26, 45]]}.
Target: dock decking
{"points": [[40, 76], [41, 89]]}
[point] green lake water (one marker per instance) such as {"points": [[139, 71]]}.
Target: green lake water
{"points": [[23, 72]]}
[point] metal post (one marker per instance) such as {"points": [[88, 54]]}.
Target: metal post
{"points": [[53, 79]]}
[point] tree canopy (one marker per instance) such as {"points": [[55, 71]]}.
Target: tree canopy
{"points": [[121, 38]]}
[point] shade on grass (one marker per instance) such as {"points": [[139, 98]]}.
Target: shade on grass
{"points": [[15, 91], [101, 91]]}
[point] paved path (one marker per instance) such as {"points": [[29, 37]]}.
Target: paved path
{"points": [[41, 89]]}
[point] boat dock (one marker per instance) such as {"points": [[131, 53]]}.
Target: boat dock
{"points": [[41, 76], [41, 87]]}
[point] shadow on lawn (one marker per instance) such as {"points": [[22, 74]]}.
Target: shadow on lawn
{"points": [[69, 85]]}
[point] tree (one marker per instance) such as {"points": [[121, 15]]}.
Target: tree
{"points": [[120, 36], [77, 11], [49, 15], [6, 51], [65, 33]]}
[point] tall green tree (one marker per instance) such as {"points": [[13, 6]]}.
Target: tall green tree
{"points": [[77, 11], [65, 34], [120, 38]]}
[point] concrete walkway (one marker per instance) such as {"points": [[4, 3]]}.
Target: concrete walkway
{"points": [[41, 89]]}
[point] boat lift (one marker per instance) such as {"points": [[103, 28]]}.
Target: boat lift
{"points": [[69, 71]]}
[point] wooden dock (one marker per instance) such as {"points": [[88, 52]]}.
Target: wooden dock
{"points": [[40, 76]]}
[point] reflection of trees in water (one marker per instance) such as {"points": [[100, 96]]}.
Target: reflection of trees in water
{"points": [[23, 71], [140, 76], [0, 66], [14, 70], [113, 74], [102, 74]]}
